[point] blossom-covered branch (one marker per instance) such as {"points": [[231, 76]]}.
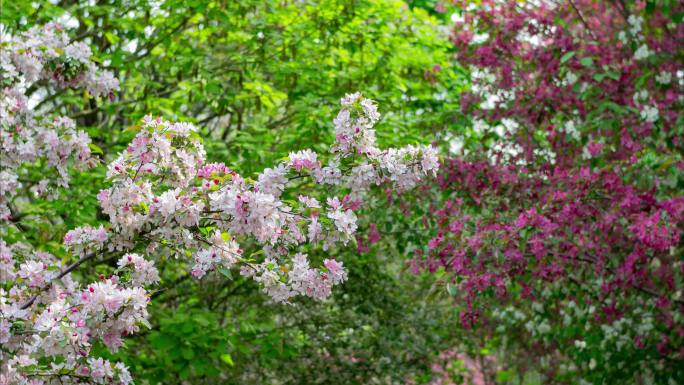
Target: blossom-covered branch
{"points": [[163, 187], [43, 57], [164, 199]]}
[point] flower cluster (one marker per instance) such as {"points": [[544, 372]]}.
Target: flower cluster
{"points": [[143, 271], [85, 238], [43, 56], [301, 279], [48, 323]]}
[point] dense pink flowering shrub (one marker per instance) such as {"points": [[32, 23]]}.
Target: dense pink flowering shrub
{"points": [[164, 200], [561, 226]]}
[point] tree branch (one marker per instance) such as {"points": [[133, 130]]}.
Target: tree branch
{"points": [[61, 275]]}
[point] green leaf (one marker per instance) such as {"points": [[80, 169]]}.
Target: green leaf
{"points": [[613, 75], [256, 253], [95, 149], [112, 38], [567, 57], [226, 273], [587, 61], [162, 341], [188, 353], [145, 207], [504, 376], [451, 289], [227, 359]]}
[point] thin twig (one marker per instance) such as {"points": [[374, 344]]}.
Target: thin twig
{"points": [[64, 272], [586, 25]]}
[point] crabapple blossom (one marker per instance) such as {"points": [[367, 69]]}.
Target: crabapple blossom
{"points": [[163, 191], [144, 271], [165, 199], [43, 54], [303, 159], [60, 324], [46, 324], [83, 238], [579, 209]]}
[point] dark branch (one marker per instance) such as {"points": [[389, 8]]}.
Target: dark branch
{"points": [[61, 275]]}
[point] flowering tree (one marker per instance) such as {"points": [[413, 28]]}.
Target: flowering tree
{"points": [[34, 146], [164, 202], [560, 225], [259, 78]]}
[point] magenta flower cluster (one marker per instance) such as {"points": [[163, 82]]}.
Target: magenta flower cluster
{"points": [[563, 222]]}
